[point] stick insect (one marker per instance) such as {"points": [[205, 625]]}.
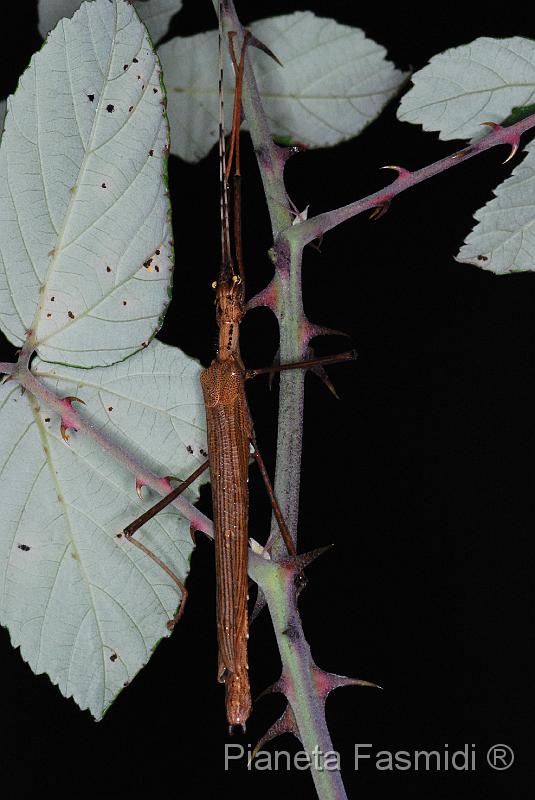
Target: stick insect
{"points": [[230, 429]]}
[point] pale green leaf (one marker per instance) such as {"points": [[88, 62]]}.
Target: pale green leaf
{"points": [[155, 14], [84, 606], [83, 201], [465, 86], [504, 238], [333, 83]]}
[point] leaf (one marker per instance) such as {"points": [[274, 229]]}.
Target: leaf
{"points": [[489, 80], [83, 201], [504, 238], [333, 83], [84, 606], [465, 86], [155, 14]]}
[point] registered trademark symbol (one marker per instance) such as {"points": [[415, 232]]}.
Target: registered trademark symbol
{"points": [[500, 756]]}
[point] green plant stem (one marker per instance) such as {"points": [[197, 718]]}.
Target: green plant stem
{"points": [[298, 675]]}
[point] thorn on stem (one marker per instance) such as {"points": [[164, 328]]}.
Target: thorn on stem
{"points": [[285, 724], [513, 140], [326, 682], [139, 484], [380, 210], [67, 422], [402, 172], [296, 564]]}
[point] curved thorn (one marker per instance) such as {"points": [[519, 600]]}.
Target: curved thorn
{"points": [[298, 563], [311, 330], [254, 42], [326, 682], [402, 172], [71, 399], [277, 687], [285, 724], [260, 604], [63, 431], [514, 147], [139, 485], [380, 210], [192, 532], [267, 297], [493, 125]]}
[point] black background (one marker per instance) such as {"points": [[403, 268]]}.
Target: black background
{"points": [[421, 474]]}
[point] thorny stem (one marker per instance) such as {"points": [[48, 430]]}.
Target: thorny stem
{"points": [[284, 298], [317, 226], [73, 419], [298, 670]]}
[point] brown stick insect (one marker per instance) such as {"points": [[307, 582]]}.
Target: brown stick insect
{"points": [[230, 430]]}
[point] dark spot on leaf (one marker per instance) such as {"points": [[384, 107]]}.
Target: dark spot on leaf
{"points": [[147, 263], [139, 77], [110, 408], [113, 657], [70, 314], [119, 535], [125, 67], [52, 299], [157, 268], [151, 152], [144, 344], [131, 108], [203, 453], [110, 108], [23, 547], [48, 316], [126, 683], [124, 302], [108, 269], [103, 185], [482, 258], [189, 448], [134, 60], [47, 419], [90, 97], [155, 91], [157, 252]]}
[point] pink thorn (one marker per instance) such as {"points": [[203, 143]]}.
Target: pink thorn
{"points": [[380, 210], [296, 564], [402, 172], [69, 418], [267, 297], [327, 681], [285, 724], [514, 142], [139, 484], [512, 139], [309, 331], [167, 482], [277, 687]]}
